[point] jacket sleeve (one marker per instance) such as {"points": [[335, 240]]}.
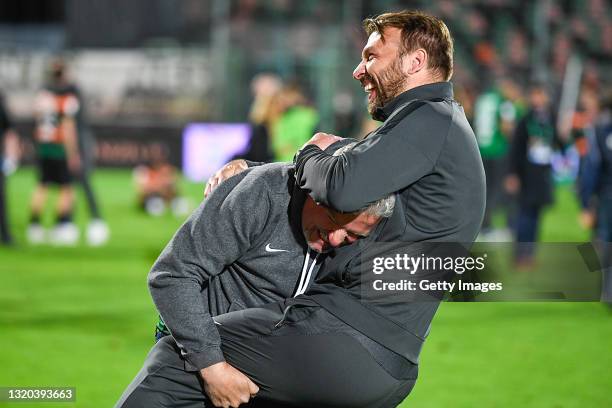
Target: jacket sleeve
{"points": [[377, 166], [251, 163], [217, 234]]}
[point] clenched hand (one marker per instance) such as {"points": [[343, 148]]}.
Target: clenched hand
{"points": [[226, 386], [230, 169], [322, 140]]}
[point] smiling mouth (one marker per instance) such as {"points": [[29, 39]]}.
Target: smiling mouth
{"points": [[371, 91], [372, 96]]}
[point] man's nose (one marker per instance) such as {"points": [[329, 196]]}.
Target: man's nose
{"points": [[359, 71], [336, 237]]}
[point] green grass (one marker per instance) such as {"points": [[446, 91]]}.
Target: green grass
{"points": [[83, 317]]}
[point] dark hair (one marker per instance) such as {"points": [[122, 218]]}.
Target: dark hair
{"points": [[419, 30]]}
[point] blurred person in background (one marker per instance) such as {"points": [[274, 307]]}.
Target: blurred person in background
{"points": [[584, 133], [281, 114], [58, 156], [495, 116], [157, 188], [9, 159], [262, 116], [530, 170], [595, 181], [466, 95], [296, 123], [60, 84]]}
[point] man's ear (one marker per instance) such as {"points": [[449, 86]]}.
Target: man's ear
{"points": [[415, 61]]}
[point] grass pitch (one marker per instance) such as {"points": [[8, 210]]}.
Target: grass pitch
{"points": [[83, 317]]}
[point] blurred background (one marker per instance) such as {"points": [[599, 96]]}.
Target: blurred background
{"points": [[168, 91]]}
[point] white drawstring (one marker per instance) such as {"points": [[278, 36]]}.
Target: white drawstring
{"points": [[305, 277]]}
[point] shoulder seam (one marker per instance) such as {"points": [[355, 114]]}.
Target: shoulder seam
{"points": [[450, 126]]}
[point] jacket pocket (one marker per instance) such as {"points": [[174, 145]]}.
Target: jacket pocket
{"points": [[235, 306]]}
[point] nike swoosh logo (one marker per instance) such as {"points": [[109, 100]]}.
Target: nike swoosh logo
{"points": [[268, 249]]}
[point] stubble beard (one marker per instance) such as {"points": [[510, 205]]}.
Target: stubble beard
{"points": [[388, 85]]}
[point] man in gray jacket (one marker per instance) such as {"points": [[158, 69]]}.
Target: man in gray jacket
{"points": [[252, 249]]}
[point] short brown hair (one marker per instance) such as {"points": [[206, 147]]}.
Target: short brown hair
{"points": [[419, 30]]}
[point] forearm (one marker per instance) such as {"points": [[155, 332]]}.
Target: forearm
{"points": [[323, 175], [315, 171], [176, 281], [381, 164], [208, 241], [370, 171], [181, 305]]}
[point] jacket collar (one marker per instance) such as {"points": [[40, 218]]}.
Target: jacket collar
{"points": [[443, 90], [296, 204]]}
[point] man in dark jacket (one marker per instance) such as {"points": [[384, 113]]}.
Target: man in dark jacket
{"points": [[530, 170], [595, 184], [425, 150]]}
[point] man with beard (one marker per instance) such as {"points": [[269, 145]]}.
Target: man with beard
{"points": [[425, 142], [425, 151]]}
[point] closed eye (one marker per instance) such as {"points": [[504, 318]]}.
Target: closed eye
{"points": [[354, 236], [350, 235]]}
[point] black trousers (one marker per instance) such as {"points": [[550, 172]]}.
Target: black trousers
{"points": [[303, 357]]}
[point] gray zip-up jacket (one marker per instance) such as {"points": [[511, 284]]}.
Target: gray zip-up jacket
{"points": [[243, 247]]}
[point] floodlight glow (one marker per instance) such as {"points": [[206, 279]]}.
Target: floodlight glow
{"points": [[208, 146]]}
